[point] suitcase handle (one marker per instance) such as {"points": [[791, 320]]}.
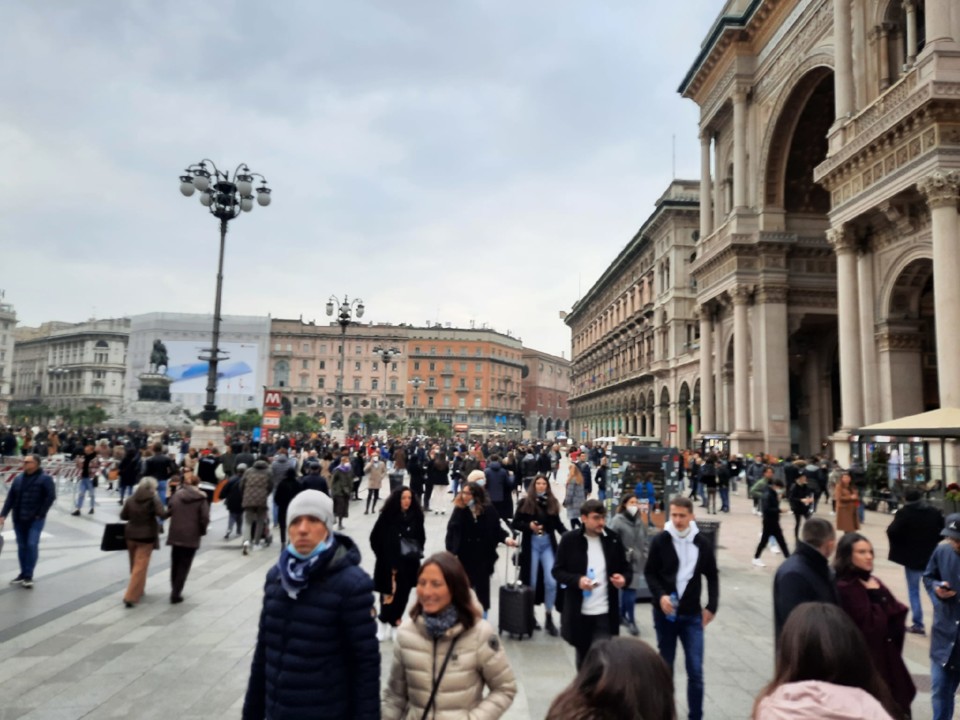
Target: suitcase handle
{"points": [[506, 568]]}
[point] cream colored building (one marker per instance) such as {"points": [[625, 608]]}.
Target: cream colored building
{"points": [[8, 322], [635, 335], [829, 254]]}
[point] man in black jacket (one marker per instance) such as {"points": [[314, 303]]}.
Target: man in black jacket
{"points": [[805, 576], [591, 566], [914, 534], [770, 511], [676, 560]]}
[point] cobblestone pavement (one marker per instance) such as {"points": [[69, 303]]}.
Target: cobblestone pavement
{"points": [[69, 649]]}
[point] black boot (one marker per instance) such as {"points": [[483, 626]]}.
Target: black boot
{"points": [[551, 628]]}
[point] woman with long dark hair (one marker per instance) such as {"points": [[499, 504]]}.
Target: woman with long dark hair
{"points": [[823, 670], [878, 614], [445, 622], [473, 533], [395, 538], [538, 520], [619, 678]]}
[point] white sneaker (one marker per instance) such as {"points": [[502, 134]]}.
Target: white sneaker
{"points": [[383, 631], [775, 550], [757, 562], [246, 547]]}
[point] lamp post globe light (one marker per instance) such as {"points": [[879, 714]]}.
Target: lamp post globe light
{"points": [[345, 310], [417, 381], [387, 355], [225, 196]]}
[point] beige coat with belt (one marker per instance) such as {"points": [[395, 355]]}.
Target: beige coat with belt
{"points": [[478, 661], [374, 473]]}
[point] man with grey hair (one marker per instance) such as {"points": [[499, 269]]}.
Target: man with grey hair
{"points": [[805, 576], [30, 498]]}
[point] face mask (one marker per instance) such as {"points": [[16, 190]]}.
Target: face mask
{"points": [[542, 494], [684, 533], [316, 551], [633, 509]]}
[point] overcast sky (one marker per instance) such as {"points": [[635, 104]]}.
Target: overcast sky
{"points": [[445, 160]]}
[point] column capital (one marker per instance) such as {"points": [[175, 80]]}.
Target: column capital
{"points": [[910, 5], [842, 239], [706, 137], [741, 93], [741, 294], [940, 188]]}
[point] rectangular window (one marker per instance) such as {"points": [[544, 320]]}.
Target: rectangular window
{"points": [[376, 366], [430, 401], [320, 383], [276, 347], [322, 350], [339, 366], [446, 383], [463, 367], [356, 365], [433, 366], [416, 364], [374, 384], [446, 401], [306, 347], [479, 352], [463, 382], [356, 383], [448, 366], [431, 382], [476, 402], [289, 347], [477, 384], [462, 402], [393, 385], [306, 364], [304, 380], [478, 367], [393, 367], [323, 364], [433, 350]]}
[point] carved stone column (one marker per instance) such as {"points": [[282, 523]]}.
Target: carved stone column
{"points": [[843, 59], [910, 8], [880, 37], [706, 211], [938, 26], [741, 383], [740, 148], [707, 391], [941, 190], [848, 328], [772, 371], [718, 213], [868, 345]]}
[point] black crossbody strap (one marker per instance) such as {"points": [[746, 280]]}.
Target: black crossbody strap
{"points": [[436, 683]]}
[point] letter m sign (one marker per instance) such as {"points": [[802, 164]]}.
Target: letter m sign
{"points": [[271, 399]]}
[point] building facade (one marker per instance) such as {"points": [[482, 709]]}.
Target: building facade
{"points": [[829, 234], [635, 336], [71, 365], [242, 370], [467, 377], [546, 392], [8, 322]]}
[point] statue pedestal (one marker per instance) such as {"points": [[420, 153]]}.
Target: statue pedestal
{"points": [[202, 435], [154, 386]]}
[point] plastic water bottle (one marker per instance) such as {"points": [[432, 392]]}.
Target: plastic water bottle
{"points": [[675, 601], [592, 576]]}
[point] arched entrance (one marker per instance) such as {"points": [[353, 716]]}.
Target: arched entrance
{"points": [[684, 418], [908, 344], [540, 427]]}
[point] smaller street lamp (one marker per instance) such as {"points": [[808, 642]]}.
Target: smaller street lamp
{"points": [[417, 381], [344, 317], [387, 355]]}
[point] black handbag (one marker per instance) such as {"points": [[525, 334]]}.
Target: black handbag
{"points": [[113, 538], [410, 549]]}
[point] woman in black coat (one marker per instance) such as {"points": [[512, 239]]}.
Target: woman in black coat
{"points": [[286, 490], [538, 519], [473, 533], [395, 574]]}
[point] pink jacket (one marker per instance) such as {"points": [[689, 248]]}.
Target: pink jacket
{"points": [[815, 700]]}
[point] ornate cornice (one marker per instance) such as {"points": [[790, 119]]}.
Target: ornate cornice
{"points": [[772, 294], [887, 341]]}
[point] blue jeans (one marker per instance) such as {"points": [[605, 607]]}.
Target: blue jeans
{"points": [[944, 683], [628, 604], [28, 545], [689, 630], [125, 490], [724, 498], [541, 554], [86, 486], [914, 582], [162, 491]]}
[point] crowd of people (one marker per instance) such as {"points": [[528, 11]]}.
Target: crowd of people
{"points": [[839, 631]]}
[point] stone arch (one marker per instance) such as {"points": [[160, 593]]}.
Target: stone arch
{"points": [[890, 279], [783, 121], [540, 427]]}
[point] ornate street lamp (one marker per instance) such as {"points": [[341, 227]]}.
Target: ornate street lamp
{"points": [[417, 381], [225, 196], [344, 317], [387, 355]]}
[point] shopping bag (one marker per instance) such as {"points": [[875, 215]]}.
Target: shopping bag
{"points": [[113, 538]]}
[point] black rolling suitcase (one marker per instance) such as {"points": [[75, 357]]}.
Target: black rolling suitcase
{"points": [[516, 604]]}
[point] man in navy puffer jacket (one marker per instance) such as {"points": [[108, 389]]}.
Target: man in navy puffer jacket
{"points": [[317, 654]]}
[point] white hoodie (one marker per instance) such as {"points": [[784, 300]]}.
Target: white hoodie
{"points": [[687, 553]]}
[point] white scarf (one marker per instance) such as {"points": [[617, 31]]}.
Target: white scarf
{"points": [[687, 553]]}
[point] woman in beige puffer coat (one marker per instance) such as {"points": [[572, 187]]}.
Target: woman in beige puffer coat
{"points": [[446, 612]]}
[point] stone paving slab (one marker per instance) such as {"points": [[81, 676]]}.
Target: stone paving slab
{"points": [[71, 650]]}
